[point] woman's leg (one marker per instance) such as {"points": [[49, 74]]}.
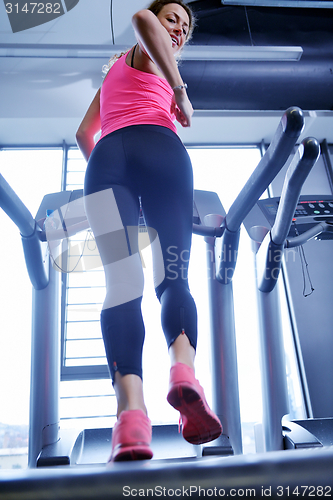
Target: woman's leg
{"points": [[166, 187], [113, 213], [160, 171], [167, 201]]}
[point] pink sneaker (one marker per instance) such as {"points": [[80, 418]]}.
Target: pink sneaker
{"points": [[199, 423], [131, 437]]}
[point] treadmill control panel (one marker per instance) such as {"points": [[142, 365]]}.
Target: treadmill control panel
{"points": [[309, 211]]}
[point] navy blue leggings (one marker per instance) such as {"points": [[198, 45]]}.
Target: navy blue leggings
{"points": [[147, 163]]}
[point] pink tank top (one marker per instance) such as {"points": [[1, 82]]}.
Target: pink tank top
{"points": [[133, 97]]}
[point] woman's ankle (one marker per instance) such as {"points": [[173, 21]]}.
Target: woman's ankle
{"points": [[181, 351], [130, 408], [129, 393]]}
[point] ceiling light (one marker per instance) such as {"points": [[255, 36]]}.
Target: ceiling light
{"points": [[240, 53], [190, 52], [324, 4]]}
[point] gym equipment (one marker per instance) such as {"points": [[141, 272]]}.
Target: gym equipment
{"points": [[48, 447], [221, 261], [272, 226], [302, 473], [44, 416]]}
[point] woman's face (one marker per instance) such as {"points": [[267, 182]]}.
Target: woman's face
{"points": [[176, 21]]}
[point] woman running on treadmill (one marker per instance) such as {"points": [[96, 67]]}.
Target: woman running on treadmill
{"points": [[140, 163]]}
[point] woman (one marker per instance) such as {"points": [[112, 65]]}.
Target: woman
{"points": [[140, 161]]}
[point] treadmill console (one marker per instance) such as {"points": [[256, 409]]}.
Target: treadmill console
{"points": [[310, 211]]}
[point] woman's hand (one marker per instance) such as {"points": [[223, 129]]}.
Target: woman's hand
{"points": [[181, 107]]}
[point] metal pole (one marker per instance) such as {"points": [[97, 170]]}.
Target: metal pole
{"points": [[272, 356], [273, 367], [45, 367], [224, 355]]}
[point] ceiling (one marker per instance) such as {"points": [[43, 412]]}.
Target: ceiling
{"points": [[306, 83], [50, 73]]}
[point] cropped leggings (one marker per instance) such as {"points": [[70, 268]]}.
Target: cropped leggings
{"points": [[147, 166]]}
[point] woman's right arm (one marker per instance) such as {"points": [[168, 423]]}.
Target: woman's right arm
{"points": [[90, 125], [155, 40]]}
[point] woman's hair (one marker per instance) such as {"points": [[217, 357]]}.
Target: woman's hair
{"points": [[158, 5]]}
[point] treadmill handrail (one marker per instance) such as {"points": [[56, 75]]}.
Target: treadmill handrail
{"points": [[286, 135], [15, 209], [269, 255], [322, 227], [214, 232], [300, 167], [22, 218]]}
